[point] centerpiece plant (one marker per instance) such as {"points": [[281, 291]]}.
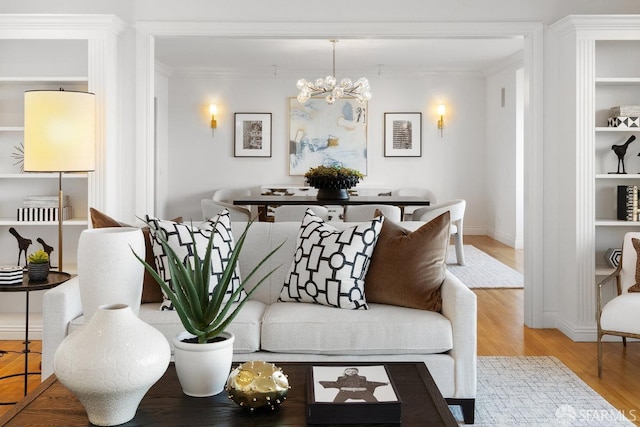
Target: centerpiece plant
{"points": [[333, 181]]}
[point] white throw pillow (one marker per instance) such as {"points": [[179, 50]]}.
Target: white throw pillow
{"points": [[329, 265], [178, 237]]}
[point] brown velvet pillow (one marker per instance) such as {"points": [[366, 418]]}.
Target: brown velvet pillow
{"points": [[407, 268], [151, 291], [636, 246]]}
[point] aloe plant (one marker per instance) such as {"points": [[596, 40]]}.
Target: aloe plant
{"points": [[202, 313], [38, 257]]}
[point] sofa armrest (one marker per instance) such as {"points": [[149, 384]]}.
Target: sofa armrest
{"points": [[60, 306], [460, 307]]}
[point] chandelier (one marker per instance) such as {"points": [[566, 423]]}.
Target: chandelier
{"points": [[359, 90]]}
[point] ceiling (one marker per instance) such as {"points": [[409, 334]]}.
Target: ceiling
{"points": [[313, 56]]}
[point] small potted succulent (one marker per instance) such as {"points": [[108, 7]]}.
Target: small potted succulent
{"points": [[333, 182], [38, 265]]}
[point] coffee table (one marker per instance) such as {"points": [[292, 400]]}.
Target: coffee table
{"points": [[165, 404]]}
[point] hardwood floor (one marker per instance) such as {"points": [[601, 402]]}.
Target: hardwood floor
{"points": [[500, 333]]}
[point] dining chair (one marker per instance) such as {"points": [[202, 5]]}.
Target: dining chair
{"points": [[456, 208], [227, 195], [425, 193], [296, 212], [211, 208], [620, 316], [358, 213]]}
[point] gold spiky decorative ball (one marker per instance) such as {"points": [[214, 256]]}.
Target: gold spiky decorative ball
{"points": [[257, 384]]}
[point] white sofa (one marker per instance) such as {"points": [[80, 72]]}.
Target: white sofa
{"points": [[289, 331]]}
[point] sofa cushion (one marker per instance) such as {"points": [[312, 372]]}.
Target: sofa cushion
{"points": [[180, 240], [383, 329], [408, 268], [329, 265], [151, 291]]}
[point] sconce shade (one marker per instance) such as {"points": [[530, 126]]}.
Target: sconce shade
{"points": [[441, 109], [59, 131]]}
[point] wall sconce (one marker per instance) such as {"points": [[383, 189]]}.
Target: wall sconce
{"points": [[213, 110], [441, 111]]}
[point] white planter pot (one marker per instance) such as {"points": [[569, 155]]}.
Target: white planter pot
{"points": [[203, 369], [111, 362], [108, 272]]}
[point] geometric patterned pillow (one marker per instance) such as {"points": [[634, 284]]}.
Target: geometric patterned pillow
{"points": [[178, 237], [329, 265]]}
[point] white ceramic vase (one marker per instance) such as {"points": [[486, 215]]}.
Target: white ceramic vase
{"points": [[110, 363], [203, 369], [108, 272]]}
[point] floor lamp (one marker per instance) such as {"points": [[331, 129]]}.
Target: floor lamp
{"points": [[59, 136]]}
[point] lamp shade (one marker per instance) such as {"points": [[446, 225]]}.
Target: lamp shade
{"points": [[59, 131]]}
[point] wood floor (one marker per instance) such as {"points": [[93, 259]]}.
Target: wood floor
{"points": [[500, 333]]}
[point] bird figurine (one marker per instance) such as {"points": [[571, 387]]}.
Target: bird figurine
{"points": [[620, 151], [23, 245], [48, 249]]}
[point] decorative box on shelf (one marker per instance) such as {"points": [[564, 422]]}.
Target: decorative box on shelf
{"points": [[10, 275], [623, 122], [43, 214], [625, 111]]}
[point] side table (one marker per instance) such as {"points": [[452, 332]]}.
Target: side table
{"points": [[53, 279]]}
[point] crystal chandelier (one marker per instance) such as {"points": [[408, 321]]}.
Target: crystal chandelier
{"points": [[359, 90]]}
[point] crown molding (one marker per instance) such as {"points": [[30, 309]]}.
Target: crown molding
{"points": [[267, 73], [74, 26]]}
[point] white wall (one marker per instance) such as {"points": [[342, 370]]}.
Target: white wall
{"points": [[501, 156], [452, 166]]}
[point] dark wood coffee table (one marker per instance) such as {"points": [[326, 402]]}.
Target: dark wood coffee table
{"points": [[165, 404]]}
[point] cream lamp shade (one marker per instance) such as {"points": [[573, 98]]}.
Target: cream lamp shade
{"points": [[59, 131]]}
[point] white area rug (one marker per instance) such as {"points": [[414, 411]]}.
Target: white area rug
{"points": [[537, 391], [481, 270]]}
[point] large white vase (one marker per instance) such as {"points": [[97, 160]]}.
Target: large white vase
{"points": [[203, 369], [111, 362], [108, 272]]}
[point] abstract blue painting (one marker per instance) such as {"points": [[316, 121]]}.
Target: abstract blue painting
{"points": [[327, 134]]}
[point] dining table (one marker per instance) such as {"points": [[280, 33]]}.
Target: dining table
{"points": [[264, 201]]}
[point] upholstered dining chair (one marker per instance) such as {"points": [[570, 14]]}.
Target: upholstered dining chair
{"points": [[296, 212], [620, 316], [357, 213], [227, 195], [211, 208], [456, 208], [417, 192]]}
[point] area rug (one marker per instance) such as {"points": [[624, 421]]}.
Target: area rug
{"points": [[481, 270], [537, 391]]}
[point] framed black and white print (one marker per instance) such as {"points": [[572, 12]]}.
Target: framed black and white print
{"points": [[252, 135], [402, 134]]}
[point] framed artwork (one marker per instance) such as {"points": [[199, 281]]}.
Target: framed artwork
{"points": [[252, 135], [402, 134], [327, 134]]}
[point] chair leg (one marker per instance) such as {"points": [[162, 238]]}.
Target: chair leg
{"points": [[459, 248], [599, 355], [624, 341]]}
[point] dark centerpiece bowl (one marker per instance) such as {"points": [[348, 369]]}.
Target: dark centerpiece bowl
{"points": [[332, 182]]}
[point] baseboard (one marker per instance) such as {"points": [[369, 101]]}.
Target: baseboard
{"points": [[12, 326], [504, 238], [578, 333]]}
